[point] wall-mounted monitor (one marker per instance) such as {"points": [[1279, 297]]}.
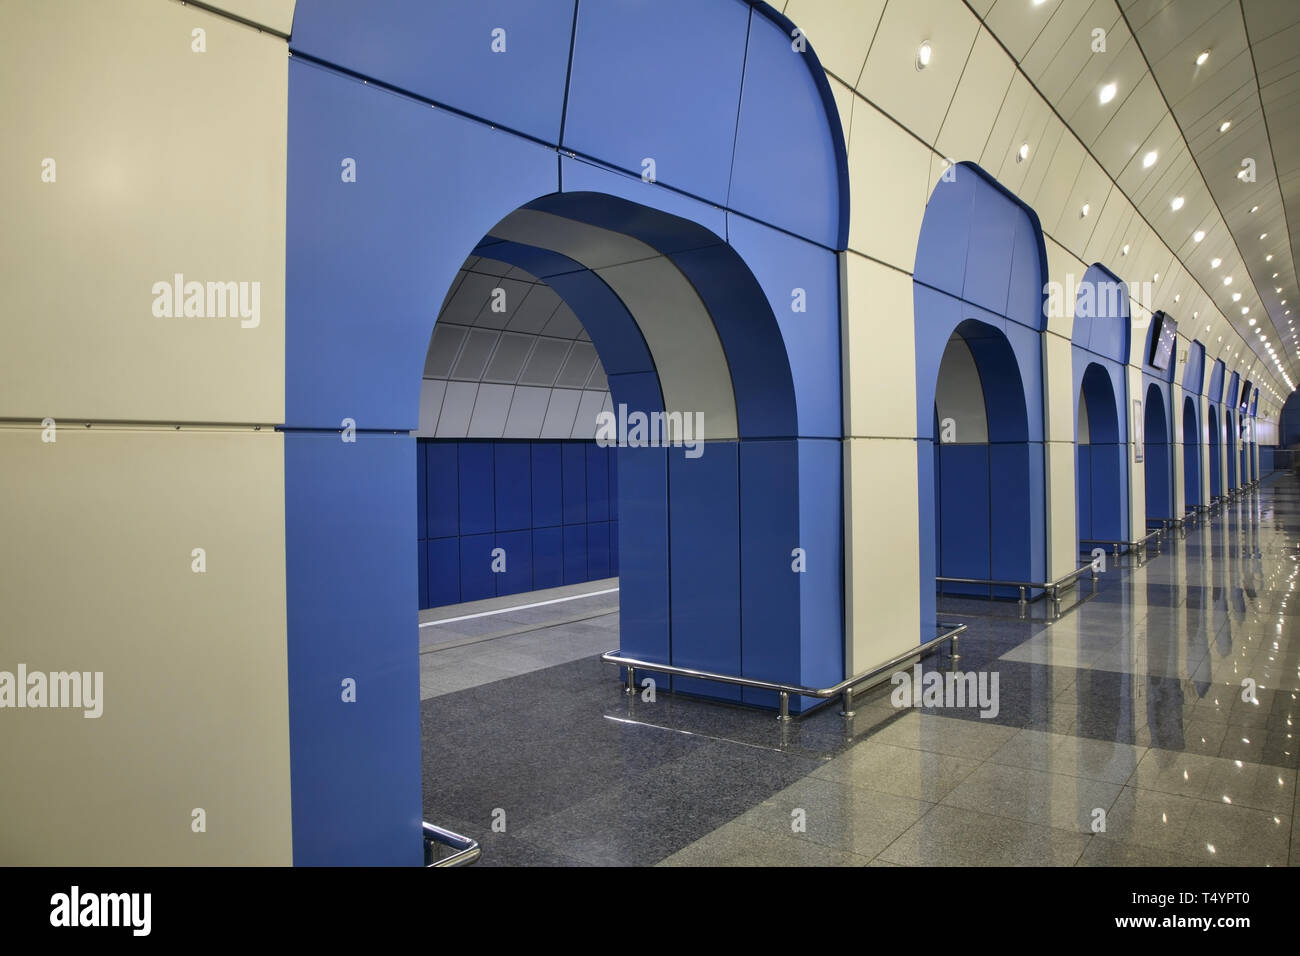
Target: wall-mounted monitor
{"points": [[1163, 336]]}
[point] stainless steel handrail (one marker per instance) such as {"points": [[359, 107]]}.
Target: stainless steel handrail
{"points": [[467, 850], [1051, 588], [844, 689]]}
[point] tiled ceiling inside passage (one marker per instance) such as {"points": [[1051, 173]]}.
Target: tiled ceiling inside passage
{"points": [[1164, 102]]}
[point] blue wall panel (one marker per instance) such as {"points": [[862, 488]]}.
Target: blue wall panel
{"points": [[809, 339], [821, 587], [548, 495], [597, 550], [573, 458], [769, 587], [521, 88], [476, 578], [443, 561], [518, 575], [641, 85], [476, 468], [785, 134], [442, 489], [992, 226], [349, 526], [597, 482], [512, 477], [704, 515], [421, 494], [1083, 493], [422, 560], [643, 555], [359, 304], [1012, 540], [941, 248], [575, 553], [963, 482], [1110, 515], [548, 557]]}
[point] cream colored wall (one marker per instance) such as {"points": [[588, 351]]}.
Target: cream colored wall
{"points": [[167, 160]]}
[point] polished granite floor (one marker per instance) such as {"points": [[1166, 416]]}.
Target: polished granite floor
{"points": [[1125, 734]]}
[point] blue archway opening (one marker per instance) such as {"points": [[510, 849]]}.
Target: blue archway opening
{"points": [[1230, 425], [1216, 443], [982, 463], [1100, 460], [1191, 453], [1157, 471]]}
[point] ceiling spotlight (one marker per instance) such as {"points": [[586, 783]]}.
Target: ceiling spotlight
{"points": [[1216, 262], [1083, 210], [1156, 277], [1149, 159], [923, 55], [1022, 153], [1227, 280], [1204, 55], [1178, 298], [1225, 126], [1198, 235], [1254, 209], [1124, 251], [1236, 297], [1252, 321], [1268, 258], [1177, 203], [1107, 93], [1263, 236]]}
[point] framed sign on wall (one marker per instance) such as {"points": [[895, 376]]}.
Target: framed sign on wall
{"points": [[1137, 430]]}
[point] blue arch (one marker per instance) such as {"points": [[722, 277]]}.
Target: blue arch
{"points": [[446, 147], [1191, 450], [1101, 464], [1213, 414], [1231, 418], [981, 260], [1157, 435], [1101, 315]]}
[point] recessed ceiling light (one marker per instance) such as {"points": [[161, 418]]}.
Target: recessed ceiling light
{"points": [[1204, 55], [1253, 208], [1177, 203], [1149, 159], [1274, 275], [1178, 298], [1216, 262], [1227, 280], [1252, 321], [1022, 153], [1124, 251], [1156, 277], [1107, 93], [1225, 126], [923, 53], [1268, 258], [1198, 235], [1083, 210], [1263, 235]]}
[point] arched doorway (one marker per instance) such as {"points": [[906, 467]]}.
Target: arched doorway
{"points": [[978, 294], [1100, 461], [982, 462], [1215, 450], [1156, 461], [560, 149], [1191, 453]]}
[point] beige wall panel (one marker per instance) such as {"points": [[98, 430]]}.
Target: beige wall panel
{"points": [[275, 15], [840, 31], [1073, 229], [1058, 381], [1062, 530], [879, 346], [918, 99], [983, 84], [1062, 173], [882, 557], [95, 575], [1002, 144], [888, 172], [167, 161], [844, 98]]}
